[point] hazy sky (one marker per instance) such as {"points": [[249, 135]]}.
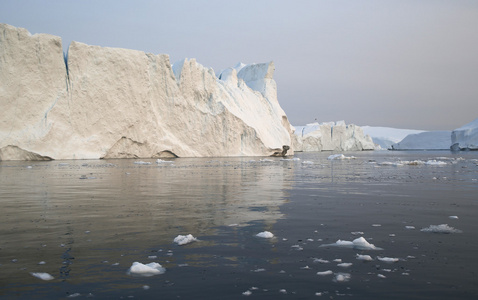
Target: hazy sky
{"points": [[404, 64]]}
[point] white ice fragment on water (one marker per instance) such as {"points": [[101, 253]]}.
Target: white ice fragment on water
{"points": [[339, 157], [435, 163], [376, 225], [140, 162], [344, 265], [43, 276], [307, 162], [305, 268], [387, 259], [145, 270], [283, 291], [381, 276], [325, 273], [357, 233], [442, 228], [338, 260], [409, 227], [364, 257], [320, 260], [42, 263], [453, 217], [247, 293], [291, 159], [266, 160], [74, 295], [265, 235], [160, 161], [184, 239], [342, 277], [152, 257], [259, 270]]}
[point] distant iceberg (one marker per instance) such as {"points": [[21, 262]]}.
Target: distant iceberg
{"points": [[428, 140], [465, 137]]}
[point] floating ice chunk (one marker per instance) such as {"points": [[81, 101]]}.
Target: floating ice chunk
{"points": [[344, 265], [247, 293], [320, 260], [325, 273], [387, 259], [442, 228], [376, 225], [381, 276], [364, 257], [266, 160], [342, 277], [338, 260], [283, 291], [341, 243], [160, 161], [359, 244], [291, 159], [259, 270], [74, 295], [265, 235], [357, 233], [42, 263], [305, 268], [145, 270], [409, 227], [43, 276], [184, 239], [142, 162], [146, 287], [435, 163], [307, 162], [339, 157], [389, 163], [453, 217]]}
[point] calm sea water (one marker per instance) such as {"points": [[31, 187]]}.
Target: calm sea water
{"points": [[86, 222]]}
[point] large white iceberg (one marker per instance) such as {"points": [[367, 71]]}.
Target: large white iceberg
{"points": [[100, 102], [465, 137], [428, 140], [331, 136]]}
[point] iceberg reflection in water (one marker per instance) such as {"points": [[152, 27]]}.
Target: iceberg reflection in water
{"points": [[107, 228]]}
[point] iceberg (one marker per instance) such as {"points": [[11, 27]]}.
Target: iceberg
{"points": [[331, 136], [99, 102], [184, 239], [465, 137], [145, 270], [385, 137], [428, 140]]}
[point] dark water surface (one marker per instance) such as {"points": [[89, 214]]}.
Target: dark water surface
{"points": [[86, 222]]}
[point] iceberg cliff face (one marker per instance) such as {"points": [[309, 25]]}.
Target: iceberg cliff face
{"points": [[331, 136], [465, 137], [103, 102]]}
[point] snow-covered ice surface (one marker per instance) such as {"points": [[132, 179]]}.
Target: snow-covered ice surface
{"points": [[90, 233]]}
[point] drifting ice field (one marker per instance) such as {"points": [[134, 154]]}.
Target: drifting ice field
{"points": [[363, 225]]}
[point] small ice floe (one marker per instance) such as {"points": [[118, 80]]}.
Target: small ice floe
{"points": [[140, 162], [320, 260], [43, 276], [310, 240], [453, 217], [184, 239], [388, 259], [435, 163], [412, 162], [145, 270], [389, 163], [265, 160], [115, 264], [342, 277], [442, 228], [338, 260], [283, 291], [344, 265], [146, 287], [381, 276], [42, 263], [265, 235], [305, 268], [357, 233], [364, 257], [409, 227], [247, 293], [160, 161], [74, 295], [359, 244], [325, 273], [297, 247], [339, 157], [259, 270], [376, 225], [291, 159], [152, 257], [29, 167]]}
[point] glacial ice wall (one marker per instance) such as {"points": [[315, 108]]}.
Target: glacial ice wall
{"points": [[101, 102], [465, 137], [331, 136]]}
